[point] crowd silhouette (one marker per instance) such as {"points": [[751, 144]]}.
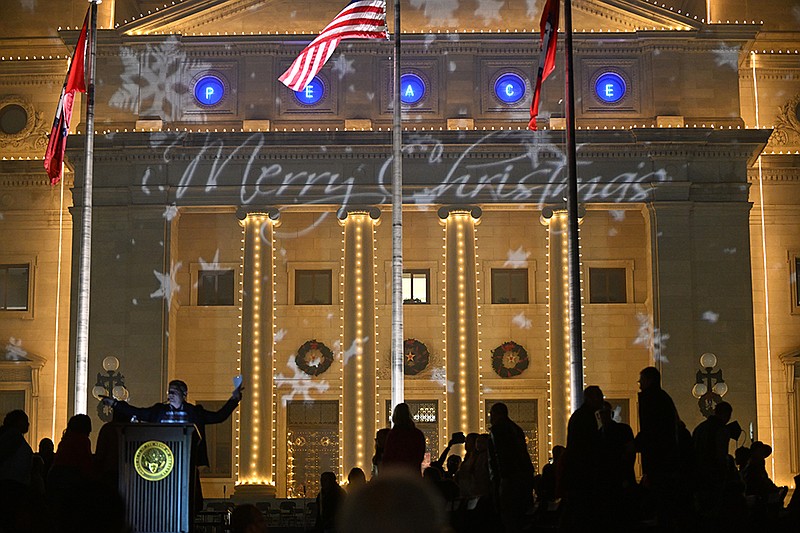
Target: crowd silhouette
{"points": [[689, 480]]}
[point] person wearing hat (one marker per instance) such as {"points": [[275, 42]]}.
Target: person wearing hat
{"points": [[756, 480]]}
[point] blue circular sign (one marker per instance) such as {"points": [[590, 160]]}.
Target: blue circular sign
{"points": [[313, 93], [412, 88], [209, 90], [610, 87], [509, 88]]}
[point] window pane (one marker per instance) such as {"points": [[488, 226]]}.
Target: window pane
{"points": [[406, 286], [14, 286], [510, 286], [215, 287], [313, 287], [415, 286], [797, 281], [420, 288], [607, 285]]}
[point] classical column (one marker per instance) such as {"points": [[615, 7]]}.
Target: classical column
{"points": [[462, 365], [255, 442], [359, 390], [558, 324]]}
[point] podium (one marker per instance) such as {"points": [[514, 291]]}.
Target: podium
{"points": [[155, 473]]}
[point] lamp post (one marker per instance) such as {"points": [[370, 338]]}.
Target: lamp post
{"points": [[709, 386], [111, 383]]}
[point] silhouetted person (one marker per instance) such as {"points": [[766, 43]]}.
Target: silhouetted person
{"points": [[380, 445], [756, 478], [329, 501], [247, 518], [473, 475], [405, 444], [617, 477], [435, 475], [47, 451], [658, 443], [106, 454], [710, 439], [15, 469], [510, 468], [546, 489], [178, 411], [71, 477], [355, 479], [397, 501], [583, 456]]}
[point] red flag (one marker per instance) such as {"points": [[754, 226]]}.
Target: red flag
{"points": [[54, 156], [547, 56], [360, 19]]}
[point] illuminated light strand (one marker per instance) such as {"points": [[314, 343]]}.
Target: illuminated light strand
{"points": [[767, 331], [239, 351]]}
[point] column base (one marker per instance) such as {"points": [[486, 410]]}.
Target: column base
{"points": [[252, 493]]}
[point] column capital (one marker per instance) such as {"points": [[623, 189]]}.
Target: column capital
{"points": [[272, 212], [548, 212], [373, 212], [474, 211]]}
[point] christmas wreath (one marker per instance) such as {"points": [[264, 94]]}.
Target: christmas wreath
{"points": [[509, 359], [313, 358], [415, 357]]}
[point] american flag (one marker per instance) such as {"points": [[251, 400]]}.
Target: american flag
{"points": [[361, 19], [57, 144]]}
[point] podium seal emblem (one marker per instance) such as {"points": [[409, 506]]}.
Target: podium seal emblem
{"points": [[153, 460]]}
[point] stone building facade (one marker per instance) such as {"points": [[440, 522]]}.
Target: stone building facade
{"points": [[253, 235]]}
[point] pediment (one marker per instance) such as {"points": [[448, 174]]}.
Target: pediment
{"points": [[308, 17]]}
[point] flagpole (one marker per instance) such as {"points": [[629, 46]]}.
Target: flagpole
{"points": [[397, 223], [84, 266], [575, 319]]}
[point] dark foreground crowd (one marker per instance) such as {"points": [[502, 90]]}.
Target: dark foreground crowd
{"points": [[690, 482]]}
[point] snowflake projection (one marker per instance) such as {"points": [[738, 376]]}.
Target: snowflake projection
{"points": [[521, 321], [343, 66], [489, 10], [300, 383], [15, 351], [439, 375], [154, 80], [727, 56], [28, 5], [280, 335], [618, 215], [517, 258], [711, 316], [535, 8], [729, 251], [613, 232], [437, 11], [170, 212], [650, 336], [351, 350], [145, 179], [168, 284], [213, 264]]}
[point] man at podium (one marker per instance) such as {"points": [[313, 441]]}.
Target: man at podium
{"points": [[177, 410]]}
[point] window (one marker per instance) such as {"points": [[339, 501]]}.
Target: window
{"points": [[14, 282], [219, 440], [796, 283], [215, 287], [509, 285], [607, 286], [416, 286], [313, 287]]}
